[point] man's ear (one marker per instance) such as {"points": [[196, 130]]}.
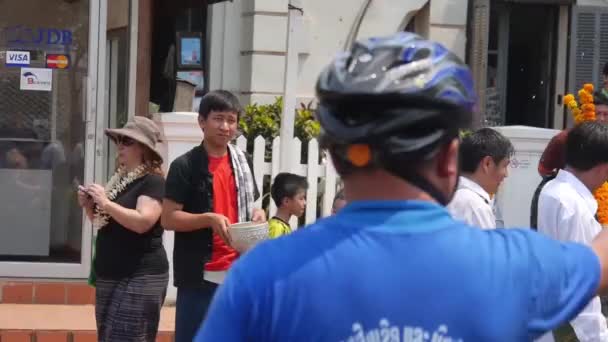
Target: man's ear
{"points": [[486, 164], [201, 122], [447, 159], [604, 171]]}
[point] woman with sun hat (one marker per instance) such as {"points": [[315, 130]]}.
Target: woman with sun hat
{"points": [[130, 264]]}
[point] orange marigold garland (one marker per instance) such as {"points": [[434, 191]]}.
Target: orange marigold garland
{"points": [[586, 112], [601, 196]]}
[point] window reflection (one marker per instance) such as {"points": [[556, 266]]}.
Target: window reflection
{"points": [[42, 132]]}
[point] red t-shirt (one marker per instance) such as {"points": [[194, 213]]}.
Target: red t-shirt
{"points": [[225, 203]]}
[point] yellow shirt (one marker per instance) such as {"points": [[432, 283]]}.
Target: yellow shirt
{"points": [[277, 227]]}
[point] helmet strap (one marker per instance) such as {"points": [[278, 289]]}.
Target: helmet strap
{"points": [[414, 178]]}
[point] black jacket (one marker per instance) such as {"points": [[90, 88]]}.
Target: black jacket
{"points": [[190, 183]]}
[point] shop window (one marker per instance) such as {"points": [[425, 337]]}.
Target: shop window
{"points": [[178, 52], [43, 84]]}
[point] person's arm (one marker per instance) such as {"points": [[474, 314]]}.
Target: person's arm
{"points": [[86, 203], [561, 224], [141, 219], [177, 188], [559, 279], [177, 191], [147, 210], [600, 248], [590, 323], [579, 271], [174, 218]]}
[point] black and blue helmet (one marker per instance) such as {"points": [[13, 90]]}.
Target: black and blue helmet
{"points": [[402, 95]]}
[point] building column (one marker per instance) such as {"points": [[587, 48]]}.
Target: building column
{"points": [[263, 49], [448, 24], [478, 55]]}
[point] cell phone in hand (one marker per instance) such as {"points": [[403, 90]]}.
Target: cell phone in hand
{"points": [[80, 187]]}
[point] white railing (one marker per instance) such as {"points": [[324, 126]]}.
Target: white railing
{"points": [[316, 173]]}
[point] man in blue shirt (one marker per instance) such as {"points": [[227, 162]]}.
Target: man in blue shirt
{"points": [[393, 265]]}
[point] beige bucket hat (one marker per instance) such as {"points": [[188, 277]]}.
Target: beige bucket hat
{"points": [[142, 130]]}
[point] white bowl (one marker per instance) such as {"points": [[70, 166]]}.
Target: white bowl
{"points": [[245, 235]]}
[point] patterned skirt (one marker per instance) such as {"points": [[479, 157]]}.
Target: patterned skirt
{"points": [[128, 310]]}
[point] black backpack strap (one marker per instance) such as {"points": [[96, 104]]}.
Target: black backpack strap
{"points": [[535, 198]]}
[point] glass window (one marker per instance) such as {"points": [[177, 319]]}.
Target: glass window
{"points": [[43, 68]]}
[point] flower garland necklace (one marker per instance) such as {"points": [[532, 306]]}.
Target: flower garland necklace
{"points": [[117, 184], [587, 113]]}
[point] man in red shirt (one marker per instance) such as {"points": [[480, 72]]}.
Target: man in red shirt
{"points": [[207, 189]]}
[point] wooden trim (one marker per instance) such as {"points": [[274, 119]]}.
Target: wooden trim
{"points": [[253, 92], [144, 60], [267, 53], [264, 13], [453, 26]]}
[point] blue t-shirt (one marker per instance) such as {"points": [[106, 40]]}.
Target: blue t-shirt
{"points": [[402, 271]]}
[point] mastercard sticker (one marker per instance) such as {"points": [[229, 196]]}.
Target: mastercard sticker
{"points": [[57, 61]]}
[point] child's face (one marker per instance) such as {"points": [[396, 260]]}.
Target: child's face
{"points": [[297, 204]]}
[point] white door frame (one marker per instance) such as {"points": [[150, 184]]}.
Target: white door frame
{"points": [[133, 40], [561, 67], [94, 109]]}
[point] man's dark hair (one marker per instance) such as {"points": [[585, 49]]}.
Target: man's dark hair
{"points": [[587, 146], [219, 101], [483, 143], [287, 185]]}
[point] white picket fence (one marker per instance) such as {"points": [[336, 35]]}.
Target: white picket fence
{"points": [[312, 170]]}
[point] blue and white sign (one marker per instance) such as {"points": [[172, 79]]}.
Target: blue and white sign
{"points": [[17, 58], [38, 79]]}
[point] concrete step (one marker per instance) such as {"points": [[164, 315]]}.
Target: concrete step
{"points": [[62, 323]]}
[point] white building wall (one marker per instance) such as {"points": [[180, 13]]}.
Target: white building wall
{"points": [[254, 32], [599, 3], [224, 45]]}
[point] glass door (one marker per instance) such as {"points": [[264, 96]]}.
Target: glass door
{"points": [[117, 84], [49, 70]]}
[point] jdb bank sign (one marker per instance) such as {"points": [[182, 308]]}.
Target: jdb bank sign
{"points": [[20, 35]]}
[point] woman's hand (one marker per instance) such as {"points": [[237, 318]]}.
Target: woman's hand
{"points": [[98, 193], [84, 200]]}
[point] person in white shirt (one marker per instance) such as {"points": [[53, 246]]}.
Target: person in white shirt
{"points": [[484, 161], [567, 208]]}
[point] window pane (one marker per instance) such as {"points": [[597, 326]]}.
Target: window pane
{"points": [[42, 128]]}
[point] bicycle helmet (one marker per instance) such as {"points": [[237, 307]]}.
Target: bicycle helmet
{"points": [[393, 101]]}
